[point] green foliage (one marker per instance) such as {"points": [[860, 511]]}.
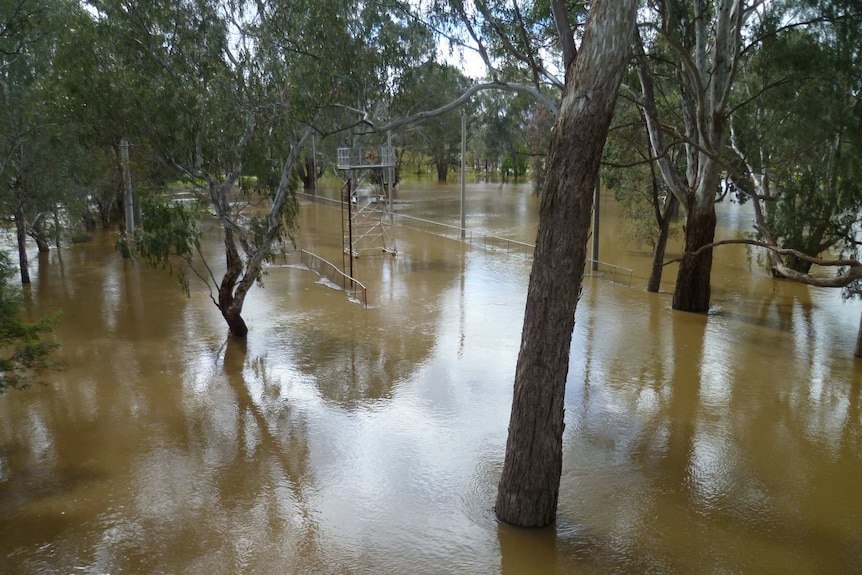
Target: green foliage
{"points": [[24, 349], [797, 131], [637, 214], [637, 187], [169, 236]]}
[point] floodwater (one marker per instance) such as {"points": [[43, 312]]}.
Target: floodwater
{"points": [[340, 440]]}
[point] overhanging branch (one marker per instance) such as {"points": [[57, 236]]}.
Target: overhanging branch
{"points": [[851, 274]]}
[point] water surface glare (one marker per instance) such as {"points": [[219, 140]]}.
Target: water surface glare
{"points": [[340, 440]]}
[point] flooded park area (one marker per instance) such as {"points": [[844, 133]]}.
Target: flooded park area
{"points": [[339, 439]]}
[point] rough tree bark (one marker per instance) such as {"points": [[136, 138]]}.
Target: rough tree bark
{"points": [[228, 302], [693, 280], [529, 486]]}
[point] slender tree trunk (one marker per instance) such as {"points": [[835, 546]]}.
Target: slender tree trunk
{"points": [[21, 233], [530, 483], [56, 227], [661, 245], [230, 308]]}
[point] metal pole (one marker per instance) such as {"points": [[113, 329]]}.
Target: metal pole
{"points": [[128, 199], [313, 165], [350, 187], [597, 196], [463, 169], [391, 174]]}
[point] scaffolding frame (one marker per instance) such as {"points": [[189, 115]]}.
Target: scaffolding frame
{"points": [[367, 218]]}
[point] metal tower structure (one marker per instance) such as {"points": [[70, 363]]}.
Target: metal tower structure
{"points": [[366, 213]]}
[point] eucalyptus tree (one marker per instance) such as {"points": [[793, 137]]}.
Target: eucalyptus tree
{"points": [[32, 141], [105, 93], [796, 136], [795, 139], [695, 47], [537, 137], [529, 486], [535, 51], [503, 127], [17, 19], [231, 94]]}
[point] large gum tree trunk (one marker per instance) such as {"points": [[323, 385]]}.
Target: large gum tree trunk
{"points": [[530, 482], [692, 282]]}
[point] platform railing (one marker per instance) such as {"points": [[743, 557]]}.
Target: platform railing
{"points": [[325, 269]]}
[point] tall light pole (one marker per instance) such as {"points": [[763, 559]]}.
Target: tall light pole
{"points": [[463, 170], [597, 200]]}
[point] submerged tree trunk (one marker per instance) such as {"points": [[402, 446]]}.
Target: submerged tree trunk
{"points": [[799, 265], [442, 170], [693, 280], [56, 215], [228, 304], [858, 351], [661, 245], [241, 274], [529, 486], [39, 234], [21, 233], [654, 283], [41, 244], [309, 173]]}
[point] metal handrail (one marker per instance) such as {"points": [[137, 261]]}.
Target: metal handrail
{"points": [[614, 273], [316, 199], [326, 269], [486, 241]]}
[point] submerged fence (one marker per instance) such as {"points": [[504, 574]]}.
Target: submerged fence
{"points": [[354, 289], [598, 269]]}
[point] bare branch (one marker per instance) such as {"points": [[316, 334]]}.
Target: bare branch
{"points": [[481, 47], [851, 274], [564, 31]]}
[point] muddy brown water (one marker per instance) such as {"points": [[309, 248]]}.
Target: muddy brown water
{"points": [[340, 440]]}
